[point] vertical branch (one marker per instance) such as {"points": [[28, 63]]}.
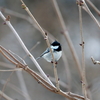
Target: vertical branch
{"points": [[83, 57], [56, 77], [93, 6], [46, 38], [51, 38], [67, 37]]}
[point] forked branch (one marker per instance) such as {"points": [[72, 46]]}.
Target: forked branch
{"points": [[37, 77]]}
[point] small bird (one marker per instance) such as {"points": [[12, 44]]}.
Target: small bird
{"points": [[57, 52]]}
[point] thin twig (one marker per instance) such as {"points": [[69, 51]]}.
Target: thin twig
{"points": [[12, 86], [68, 74], [56, 77], [25, 49], [94, 61], [20, 65], [8, 79], [46, 38], [23, 85], [32, 48], [4, 64], [74, 95], [51, 37], [10, 70], [7, 52], [21, 79], [83, 56], [18, 57], [5, 96], [27, 18], [6, 56], [93, 6], [85, 7], [62, 84], [67, 37], [43, 82]]}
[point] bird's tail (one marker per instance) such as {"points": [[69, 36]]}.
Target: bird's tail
{"points": [[38, 58]]}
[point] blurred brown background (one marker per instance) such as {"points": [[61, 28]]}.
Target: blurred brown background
{"points": [[45, 14]]}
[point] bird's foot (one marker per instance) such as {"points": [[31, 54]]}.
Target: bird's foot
{"points": [[55, 62]]}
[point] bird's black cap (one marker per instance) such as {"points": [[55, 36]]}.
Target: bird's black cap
{"points": [[56, 43]]}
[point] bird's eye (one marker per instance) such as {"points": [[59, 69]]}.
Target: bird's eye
{"points": [[54, 47]]}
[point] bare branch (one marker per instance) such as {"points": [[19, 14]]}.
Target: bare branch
{"points": [[80, 3], [5, 96], [10, 70], [46, 38], [23, 85], [85, 7], [94, 61], [93, 6], [67, 37], [40, 80], [8, 79], [25, 48]]}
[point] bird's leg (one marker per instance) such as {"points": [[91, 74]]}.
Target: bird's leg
{"points": [[55, 62], [51, 61]]}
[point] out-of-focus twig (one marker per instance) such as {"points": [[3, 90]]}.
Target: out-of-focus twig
{"points": [[23, 85], [93, 6], [4, 86], [6, 65], [5, 96], [27, 18], [10, 70], [39, 79], [47, 41], [72, 94], [32, 48], [83, 56], [51, 37], [68, 74], [21, 78], [94, 61], [67, 37], [25, 48], [13, 87], [85, 7]]}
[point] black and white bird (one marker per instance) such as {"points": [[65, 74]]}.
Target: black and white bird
{"points": [[57, 52]]}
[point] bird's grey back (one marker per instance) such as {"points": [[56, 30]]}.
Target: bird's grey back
{"points": [[46, 51]]}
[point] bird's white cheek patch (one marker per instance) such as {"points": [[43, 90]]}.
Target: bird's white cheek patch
{"points": [[54, 47]]}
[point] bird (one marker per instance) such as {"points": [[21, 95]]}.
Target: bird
{"points": [[56, 50]]}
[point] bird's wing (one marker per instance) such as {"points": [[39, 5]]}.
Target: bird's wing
{"points": [[46, 51]]}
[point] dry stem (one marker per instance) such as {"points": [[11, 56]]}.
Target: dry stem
{"points": [[51, 37], [42, 81], [10, 70], [93, 6], [85, 7], [5, 96], [67, 37], [8, 79], [47, 41], [83, 56], [94, 61], [25, 49]]}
